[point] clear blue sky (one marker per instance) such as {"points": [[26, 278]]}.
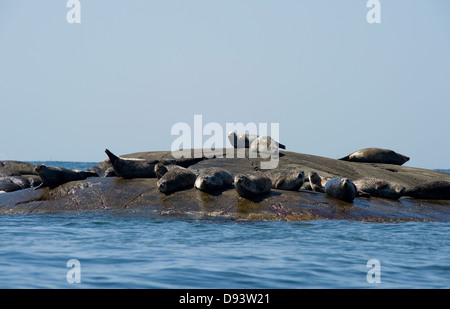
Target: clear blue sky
{"points": [[132, 69]]}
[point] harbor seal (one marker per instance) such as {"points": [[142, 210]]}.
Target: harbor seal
{"points": [[341, 188], [376, 155], [132, 168], [213, 179], [245, 140], [252, 184], [433, 190], [315, 181], [7, 186], [175, 180], [53, 177], [264, 144], [379, 188], [161, 169], [286, 179]]}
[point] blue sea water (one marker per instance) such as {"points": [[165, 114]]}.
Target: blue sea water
{"points": [[141, 249]]}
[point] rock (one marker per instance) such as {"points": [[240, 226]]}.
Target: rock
{"points": [[142, 195]]}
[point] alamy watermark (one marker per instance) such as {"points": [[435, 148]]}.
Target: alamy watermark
{"points": [[74, 274], [374, 14], [190, 142], [374, 274], [74, 14]]}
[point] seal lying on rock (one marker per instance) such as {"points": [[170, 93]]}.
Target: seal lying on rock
{"points": [[264, 144], [379, 188], [284, 179], [161, 169], [341, 188], [175, 180], [315, 181], [376, 155], [131, 167], [52, 177], [245, 140], [252, 184], [213, 179], [433, 190]]}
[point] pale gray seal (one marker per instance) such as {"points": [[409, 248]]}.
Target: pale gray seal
{"points": [[161, 169], [376, 155], [131, 167], [245, 140], [286, 179], [433, 190], [341, 188], [252, 184], [175, 180], [213, 179], [264, 144], [380, 188], [52, 177]]}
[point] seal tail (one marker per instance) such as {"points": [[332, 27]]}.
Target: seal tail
{"points": [[112, 157], [281, 146], [346, 158]]}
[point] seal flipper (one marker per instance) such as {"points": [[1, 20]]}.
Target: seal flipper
{"points": [[112, 157]]}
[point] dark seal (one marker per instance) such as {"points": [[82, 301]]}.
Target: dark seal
{"points": [[380, 188], [175, 180], [53, 177], [433, 190], [286, 179], [213, 179], [132, 167]]}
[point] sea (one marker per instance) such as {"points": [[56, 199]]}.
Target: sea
{"points": [[145, 250]]}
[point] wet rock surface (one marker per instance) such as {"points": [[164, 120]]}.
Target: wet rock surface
{"points": [[118, 194]]}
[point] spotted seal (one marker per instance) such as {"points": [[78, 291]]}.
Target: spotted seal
{"points": [[341, 188], [433, 190], [213, 179], [376, 155], [132, 167], [379, 188], [175, 180], [161, 169], [53, 177], [252, 184], [286, 179]]}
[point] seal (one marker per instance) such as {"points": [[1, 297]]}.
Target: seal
{"points": [[161, 169], [376, 155], [315, 181], [245, 140], [132, 168], [213, 179], [286, 179], [252, 184], [264, 144], [53, 177], [7, 186], [175, 180], [341, 188], [432, 190], [379, 188]]}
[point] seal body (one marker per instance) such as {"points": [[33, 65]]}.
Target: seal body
{"points": [[433, 190], [175, 180], [53, 177], [161, 169], [252, 184], [380, 188], [213, 179], [315, 182], [245, 140], [264, 144], [341, 188], [376, 155], [284, 179], [132, 168]]}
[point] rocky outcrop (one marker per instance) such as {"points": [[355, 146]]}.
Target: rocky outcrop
{"points": [[118, 194]]}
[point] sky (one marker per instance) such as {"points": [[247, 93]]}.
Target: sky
{"points": [[131, 70]]}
